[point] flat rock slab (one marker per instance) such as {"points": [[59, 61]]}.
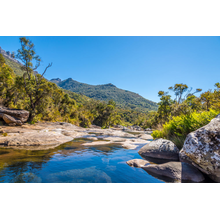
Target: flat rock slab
{"points": [[176, 170], [162, 149], [34, 139], [53, 134], [126, 143], [96, 143]]}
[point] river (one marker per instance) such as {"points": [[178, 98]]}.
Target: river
{"points": [[72, 163]]}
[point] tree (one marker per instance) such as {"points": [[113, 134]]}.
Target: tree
{"points": [[207, 98], [36, 87], [106, 114], [6, 82], [179, 89], [164, 106]]}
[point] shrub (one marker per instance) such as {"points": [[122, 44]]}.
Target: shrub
{"points": [[179, 127]]}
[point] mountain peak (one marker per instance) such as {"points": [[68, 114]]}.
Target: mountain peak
{"points": [[56, 80], [69, 79], [109, 85]]}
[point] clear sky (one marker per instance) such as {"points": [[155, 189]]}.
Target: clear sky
{"points": [[143, 65]]}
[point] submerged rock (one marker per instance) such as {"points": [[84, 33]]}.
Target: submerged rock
{"points": [[86, 175], [137, 163], [202, 149], [162, 149], [176, 170]]}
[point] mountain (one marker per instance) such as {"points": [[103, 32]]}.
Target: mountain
{"points": [[123, 98], [83, 92]]}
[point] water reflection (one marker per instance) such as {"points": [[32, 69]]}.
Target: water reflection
{"points": [[26, 178], [86, 175], [72, 162]]}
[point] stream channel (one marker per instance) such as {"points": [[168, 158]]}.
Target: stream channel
{"points": [[72, 163]]}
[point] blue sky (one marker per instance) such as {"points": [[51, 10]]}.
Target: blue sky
{"points": [[143, 65]]}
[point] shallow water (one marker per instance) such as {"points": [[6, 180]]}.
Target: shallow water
{"points": [[72, 163]]}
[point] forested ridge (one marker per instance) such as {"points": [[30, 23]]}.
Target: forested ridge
{"points": [[123, 98]]}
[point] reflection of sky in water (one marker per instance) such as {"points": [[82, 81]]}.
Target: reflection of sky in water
{"points": [[72, 162]]}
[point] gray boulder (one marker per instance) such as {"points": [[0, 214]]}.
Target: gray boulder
{"points": [[202, 149], [162, 149], [178, 171], [18, 114]]}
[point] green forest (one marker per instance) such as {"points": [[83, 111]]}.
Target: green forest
{"points": [[123, 98], [172, 118]]}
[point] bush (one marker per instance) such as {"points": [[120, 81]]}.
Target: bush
{"points": [[179, 127]]}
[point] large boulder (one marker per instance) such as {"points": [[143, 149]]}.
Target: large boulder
{"points": [[18, 114], [14, 116], [11, 120], [181, 171], [162, 149], [202, 149]]}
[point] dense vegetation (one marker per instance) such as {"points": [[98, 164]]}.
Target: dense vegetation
{"points": [[123, 98], [178, 117]]}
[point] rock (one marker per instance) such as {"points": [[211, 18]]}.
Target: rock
{"points": [[176, 170], [11, 120], [160, 148], [118, 126], [145, 136], [96, 143], [137, 163], [202, 149], [18, 114], [30, 140], [95, 126], [47, 135], [147, 129]]}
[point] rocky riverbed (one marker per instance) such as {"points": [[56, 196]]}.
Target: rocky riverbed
{"points": [[197, 161], [42, 136]]}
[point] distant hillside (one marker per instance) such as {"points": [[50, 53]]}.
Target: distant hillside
{"points": [[15, 66], [11, 61], [123, 98]]}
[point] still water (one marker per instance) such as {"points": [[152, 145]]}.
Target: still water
{"points": [[72, 163]]}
